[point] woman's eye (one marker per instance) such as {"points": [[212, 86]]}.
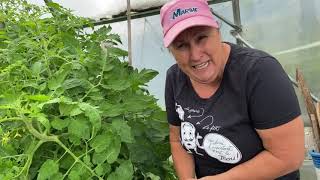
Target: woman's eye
{"points": [[202, 37], [181, 46]]}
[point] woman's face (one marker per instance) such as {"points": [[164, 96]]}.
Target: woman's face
{"points": [[200, 54]]}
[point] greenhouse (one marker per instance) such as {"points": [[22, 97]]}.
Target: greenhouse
{"points": [[84, 90]]}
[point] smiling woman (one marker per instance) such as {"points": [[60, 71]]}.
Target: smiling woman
{"points": [[70, 109], [201, 55], [250, 116]]}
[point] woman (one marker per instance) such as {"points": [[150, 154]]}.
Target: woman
{"points": [[233, 112]]}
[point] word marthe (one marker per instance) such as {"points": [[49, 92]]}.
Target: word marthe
{"points": [[180, 12]]}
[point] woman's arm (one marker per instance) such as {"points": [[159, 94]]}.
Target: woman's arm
{"points": [[284, 153], [183, 161]]}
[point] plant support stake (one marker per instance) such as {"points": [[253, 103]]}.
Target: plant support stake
{"points": [[311, 109], [129, 32]]}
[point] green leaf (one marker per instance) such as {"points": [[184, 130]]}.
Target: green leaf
{"points": [[145, 75], [69, 109], [72, 83], [102, 169], [113, 150], [117, 85], [59, 124], [142, 152], [101, 33], [123, 130], [158, 127], [123, 172], [99, 170], [110, 154], [52, 101], [66, 161], [74, 139], [96, 96], [42, 119], [56, 81], [42, 86], [79, 128], [114, 38], [112, 110], [48, 169], [117, 51], [3, 37], [36, 68], [99, 158], [29, 23], [93, 114], [57, 176], [137, 103], [75, 173], [87, 160], [75, 111], [101, 142], [39, 97], [53, 5], [7, 107], [71, 42]]}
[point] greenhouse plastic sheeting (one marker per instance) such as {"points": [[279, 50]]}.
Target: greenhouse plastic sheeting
{"points": [[97, 9]]}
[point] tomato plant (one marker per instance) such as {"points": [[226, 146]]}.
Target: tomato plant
{"points": [[70, 108]]}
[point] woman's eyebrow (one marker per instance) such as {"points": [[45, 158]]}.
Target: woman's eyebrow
{"points": [[205, 31], [178, 41]]}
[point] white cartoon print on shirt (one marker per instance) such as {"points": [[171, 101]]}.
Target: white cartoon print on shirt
{"points": [[221, 148], [194, 112], [189, 138], [215, 145], [209, 124], [180, 111]]}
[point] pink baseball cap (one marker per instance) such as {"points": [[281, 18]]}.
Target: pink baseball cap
{"points": [[178, 15]]}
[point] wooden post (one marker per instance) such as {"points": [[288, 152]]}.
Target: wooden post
{"points": [[311, 109]]}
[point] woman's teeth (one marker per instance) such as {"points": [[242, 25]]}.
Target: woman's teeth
{"points": [[202, 65]]}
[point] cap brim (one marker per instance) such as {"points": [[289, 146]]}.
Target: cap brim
{"points": [[187, 23]]}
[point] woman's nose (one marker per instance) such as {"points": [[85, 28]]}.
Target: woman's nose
{"points": [[196, 52]]}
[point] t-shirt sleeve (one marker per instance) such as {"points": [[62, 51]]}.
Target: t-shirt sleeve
{"points": [[172, 115], [271, 96]]}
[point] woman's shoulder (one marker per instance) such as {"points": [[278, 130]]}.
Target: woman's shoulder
{"points": [[247, 52], [247, 58], [175, 73], [172, 70], [177, 79]]}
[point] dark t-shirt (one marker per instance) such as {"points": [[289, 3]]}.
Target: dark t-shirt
{"points": [[255, 93]]}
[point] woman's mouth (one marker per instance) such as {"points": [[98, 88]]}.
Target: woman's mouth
{"points": [[201, 66]]}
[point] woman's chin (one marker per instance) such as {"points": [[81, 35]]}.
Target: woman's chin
{"points": [[205, 79]]}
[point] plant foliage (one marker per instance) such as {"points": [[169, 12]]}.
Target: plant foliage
{"points": [[70, 109]]}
